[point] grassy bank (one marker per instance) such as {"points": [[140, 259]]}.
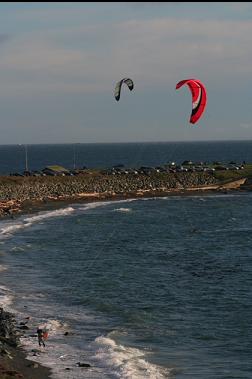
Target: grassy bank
{"points": [[224, 175]]}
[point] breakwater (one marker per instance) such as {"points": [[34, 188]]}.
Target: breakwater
{"points": [[14, 191]]}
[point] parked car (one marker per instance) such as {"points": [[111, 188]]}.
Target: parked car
{"points": [[27, 173]]}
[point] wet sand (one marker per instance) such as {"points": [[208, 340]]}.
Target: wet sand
{"points": [[13, 362], [20, 367]]}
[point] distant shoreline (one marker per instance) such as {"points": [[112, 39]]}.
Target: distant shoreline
{"points": [[53, 198]]}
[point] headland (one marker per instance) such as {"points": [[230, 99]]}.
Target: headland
{"points": [[26, 193]]}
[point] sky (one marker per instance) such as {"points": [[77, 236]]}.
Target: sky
{"points": [[60, 62]]}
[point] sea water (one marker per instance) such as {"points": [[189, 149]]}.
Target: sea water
{"points": [[139, 289], [15, 158]]}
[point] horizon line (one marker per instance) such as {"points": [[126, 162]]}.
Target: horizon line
{"points": [[129, 142]]}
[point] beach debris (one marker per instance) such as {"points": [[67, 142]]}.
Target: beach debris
{"points": [[23, 327]]}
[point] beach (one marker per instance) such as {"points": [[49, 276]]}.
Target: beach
{"points": [[26, 197], [13, 362], [17, 194], [125, 190]]}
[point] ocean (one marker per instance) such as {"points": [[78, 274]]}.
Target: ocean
{"points": [[138, 288], [13, 158]]}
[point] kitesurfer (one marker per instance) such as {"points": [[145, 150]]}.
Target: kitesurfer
{"points": [[40, 337]]}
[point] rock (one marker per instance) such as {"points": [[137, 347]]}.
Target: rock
{"points": [[23, 327], [12, 373], [33, 365], [79, 364], [35, 351], [5, 352]]}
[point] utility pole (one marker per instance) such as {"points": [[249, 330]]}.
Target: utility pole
{"points": [[26, 159], [74, 158], [74, 162]]}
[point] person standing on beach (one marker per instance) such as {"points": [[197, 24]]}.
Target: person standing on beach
{"points": [[40, 337]]}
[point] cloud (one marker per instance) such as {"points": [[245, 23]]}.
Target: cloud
{"points": [[240, 6], [4, 37], [156, 52], [245, 125]]}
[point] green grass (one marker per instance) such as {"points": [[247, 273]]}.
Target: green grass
{"points": [[234, 174]]}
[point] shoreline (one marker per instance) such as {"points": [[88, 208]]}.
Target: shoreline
{"points": [[12, 207], [13, 359], [19, 366]]}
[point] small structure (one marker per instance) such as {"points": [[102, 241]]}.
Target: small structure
{"points": [[187, 163], [55, 170]]}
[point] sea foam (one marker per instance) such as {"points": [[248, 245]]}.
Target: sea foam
{"points": [[6, 297], [126, 362], [10, 227]]}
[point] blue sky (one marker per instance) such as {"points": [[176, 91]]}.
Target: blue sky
{"points": [[60, 62]]}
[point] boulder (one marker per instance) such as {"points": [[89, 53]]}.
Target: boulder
{"points": [[79, 364]]}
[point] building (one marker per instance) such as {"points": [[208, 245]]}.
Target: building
{"points": [[55, 171]]}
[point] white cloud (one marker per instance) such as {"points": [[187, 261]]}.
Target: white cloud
{"points": [[246, 126], [153, 52]]}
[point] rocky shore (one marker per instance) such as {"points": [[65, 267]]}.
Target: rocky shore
{"points": [[13, 363], [17, 193], [24, 194]]}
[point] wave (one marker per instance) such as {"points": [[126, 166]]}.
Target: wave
{"points": [[2, 268], [49, 214], [11, 227], [107, 358], [123, 210], [6, 297], [126, 362], [103, 203]]}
